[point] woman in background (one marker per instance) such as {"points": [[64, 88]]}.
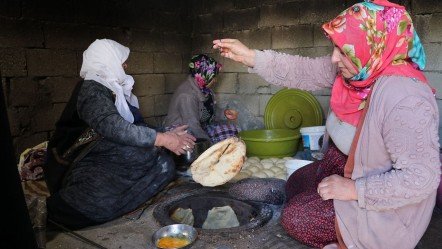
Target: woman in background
{"points": [[193, 102]]}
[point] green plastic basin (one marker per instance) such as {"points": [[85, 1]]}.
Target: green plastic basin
{"points": [[267, 143]]}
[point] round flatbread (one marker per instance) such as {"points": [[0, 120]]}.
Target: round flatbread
{"points": [[219, 163]]}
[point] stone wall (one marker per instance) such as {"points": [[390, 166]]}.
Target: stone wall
{"points": [[41, 45]]}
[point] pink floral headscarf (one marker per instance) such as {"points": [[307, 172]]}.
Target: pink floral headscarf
{"points": [[379, 38], [204, 69]]}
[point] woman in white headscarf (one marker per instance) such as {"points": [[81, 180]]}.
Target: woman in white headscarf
{"points": [[103, 160]]}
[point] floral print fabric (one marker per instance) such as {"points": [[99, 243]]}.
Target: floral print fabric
{"points": [[204, 68], [380, 39]]}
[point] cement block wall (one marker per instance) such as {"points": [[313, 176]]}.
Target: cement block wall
{"points": [[41, 45]]}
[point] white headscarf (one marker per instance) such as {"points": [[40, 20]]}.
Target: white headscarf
{"points": [[102, 62]]}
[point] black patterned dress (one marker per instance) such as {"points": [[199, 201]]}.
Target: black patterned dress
{"points": [[122, 170]]}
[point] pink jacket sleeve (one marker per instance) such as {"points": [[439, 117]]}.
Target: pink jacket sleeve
{"points": [[294, 71]]}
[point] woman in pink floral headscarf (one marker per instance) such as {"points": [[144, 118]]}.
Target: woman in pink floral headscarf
{"points": [[376, 184]]}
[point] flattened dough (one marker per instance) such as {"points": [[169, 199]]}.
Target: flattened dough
{"points": [[221, 217]]}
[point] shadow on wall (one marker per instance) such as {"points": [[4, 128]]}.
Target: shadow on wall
{"points": [[20, 229]]}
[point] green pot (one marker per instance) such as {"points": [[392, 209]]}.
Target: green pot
{"points": [[268, 143]]}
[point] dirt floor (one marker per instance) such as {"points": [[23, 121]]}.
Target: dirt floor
{"points": [[135, 230]]}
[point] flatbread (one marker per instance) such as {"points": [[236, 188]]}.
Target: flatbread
{"points": [[221, 217], [219, 163], [183, 216]]}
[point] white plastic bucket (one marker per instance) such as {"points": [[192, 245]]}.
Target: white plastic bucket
{"points": [[311, 136], [293, 165]]}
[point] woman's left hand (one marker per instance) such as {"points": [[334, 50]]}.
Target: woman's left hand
{"points": [[178, 140], [182, 131], [188, 139], [337, 187]]}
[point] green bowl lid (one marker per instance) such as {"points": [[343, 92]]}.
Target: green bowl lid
{"points": [[292, 109]]}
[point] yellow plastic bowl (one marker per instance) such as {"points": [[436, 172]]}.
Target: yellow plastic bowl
{"points": [[268, 143]]}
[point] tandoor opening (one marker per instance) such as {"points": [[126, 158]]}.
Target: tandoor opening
{"points": [[249, 214]]}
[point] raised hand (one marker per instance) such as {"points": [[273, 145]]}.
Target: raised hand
{"points": [[236, 51]]}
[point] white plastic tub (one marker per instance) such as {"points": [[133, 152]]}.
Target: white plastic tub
{"points": [[293, 165], [311, 137]]}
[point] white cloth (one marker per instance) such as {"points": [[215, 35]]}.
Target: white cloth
{"points": [[340, 132], [103, 62]]}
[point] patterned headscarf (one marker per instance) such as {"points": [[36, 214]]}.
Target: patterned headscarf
{"points": [[380, 39], [102, 62], [204, 69]]}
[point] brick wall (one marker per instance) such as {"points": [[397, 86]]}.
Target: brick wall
{"points": [[41, 45]]}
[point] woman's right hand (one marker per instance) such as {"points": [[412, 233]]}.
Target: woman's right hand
{"points": [[235, 50], [177, 140]]}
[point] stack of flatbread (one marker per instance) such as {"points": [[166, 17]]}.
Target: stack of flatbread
{"points": [[219, 163]]}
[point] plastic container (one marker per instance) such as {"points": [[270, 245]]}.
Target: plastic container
{"points": [[293, 165], [268, 143], [312, 137]]}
